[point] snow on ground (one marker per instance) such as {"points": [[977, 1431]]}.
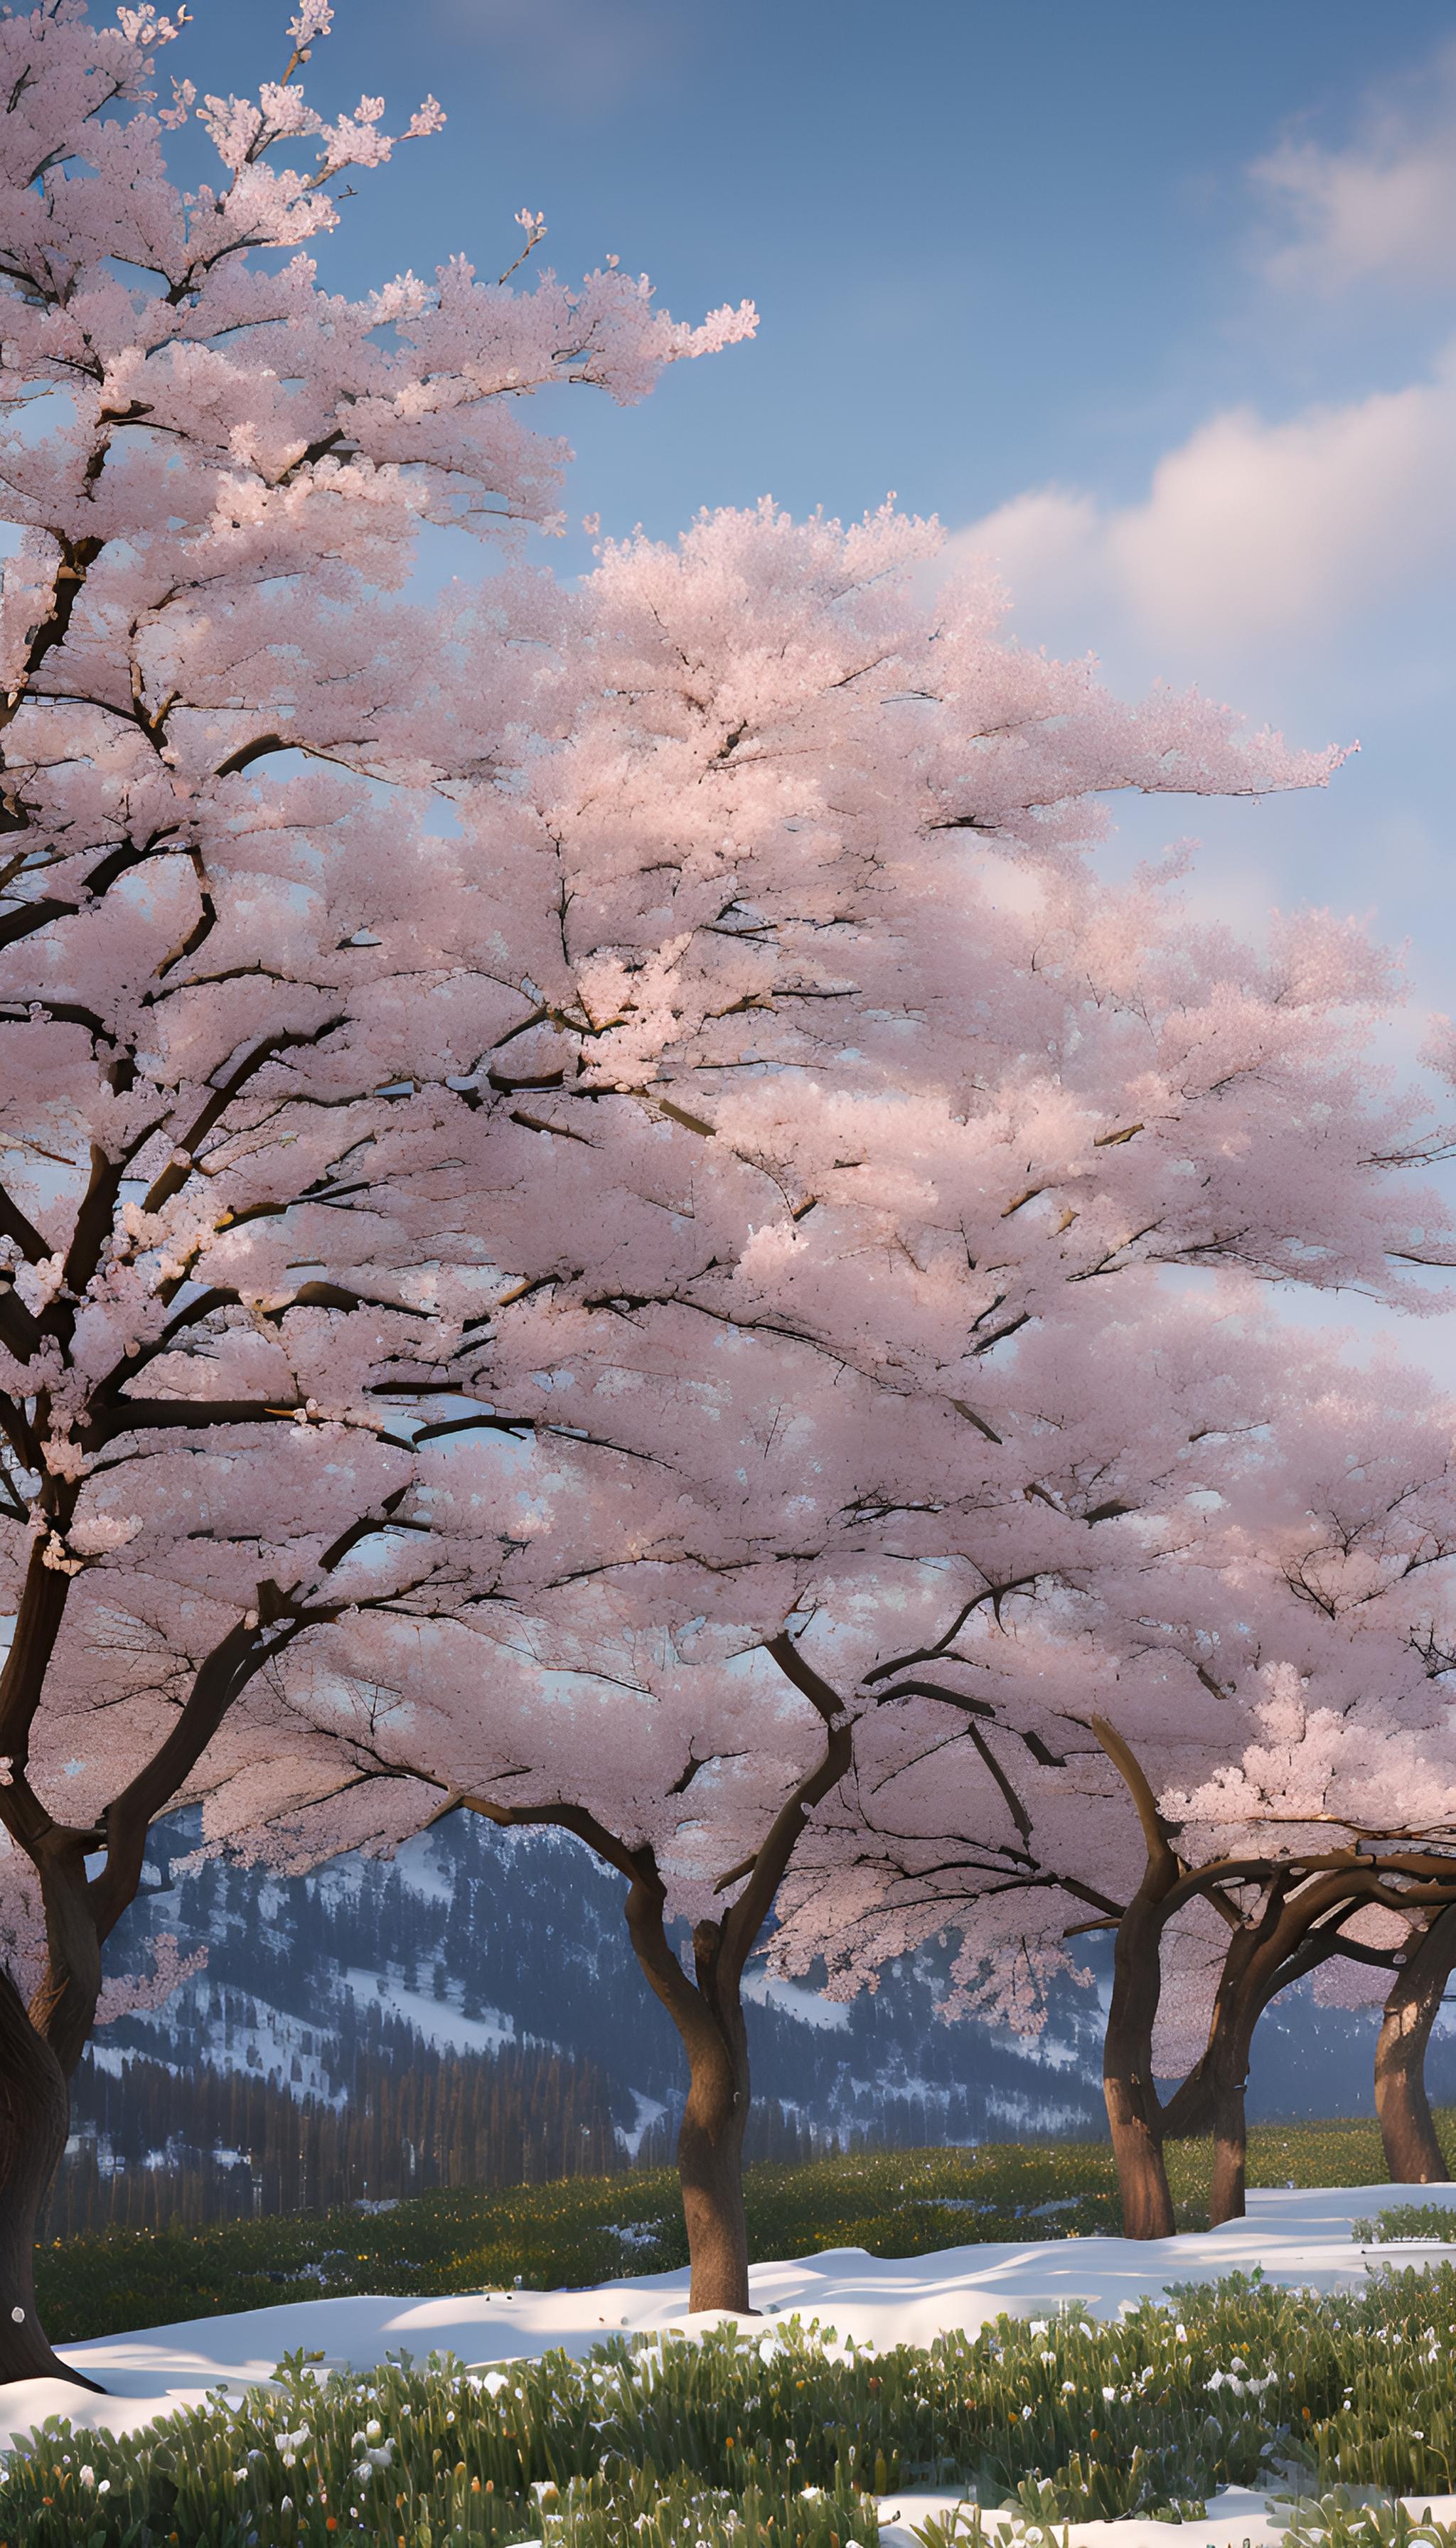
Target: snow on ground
{"points": [[1237, 2518], [1296, 2237]]}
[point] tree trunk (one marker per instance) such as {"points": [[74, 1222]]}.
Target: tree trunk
{"points": [[1212, 2100], [710, 2158], [1412, 2154], [1133, 2109], [1261, 1960], [709, 2016], [708, 2011], [40, 2047], [35, 2119], [1189, 2112], [1231, 2147]]}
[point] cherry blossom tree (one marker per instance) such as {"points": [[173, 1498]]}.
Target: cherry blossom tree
{"points": [[1352, 1745], [234, 1013], [1295, 1636], [1403, 1965], [888, 1084], [1284, 1917], [1367, 1767], [711, 1120], [665, 1751]]}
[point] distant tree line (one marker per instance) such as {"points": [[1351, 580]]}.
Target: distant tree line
{"points": [[150, 2146]]}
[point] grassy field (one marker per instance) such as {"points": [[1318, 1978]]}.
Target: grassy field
{"points": [[892, 2203], [759, 2438]]}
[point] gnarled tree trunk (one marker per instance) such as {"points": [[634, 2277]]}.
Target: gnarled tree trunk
{"points": [[708, 2010], [1133, 2109], [709, 2016], [1230, 2149], [1263, 1957], [35, 2119], [40, 2046], [1412, 2154], [710, 2171], [1245, 1986], [1212, 2100]]}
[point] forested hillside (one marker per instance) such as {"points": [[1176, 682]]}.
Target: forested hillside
{"points": [[468, 2013]]}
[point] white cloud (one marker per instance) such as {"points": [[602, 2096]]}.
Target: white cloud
{"points": [[1253, 535], [1384, 206], [1299, 564]]}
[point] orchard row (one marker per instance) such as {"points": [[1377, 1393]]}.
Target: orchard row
{"points": [[605, 1221]]}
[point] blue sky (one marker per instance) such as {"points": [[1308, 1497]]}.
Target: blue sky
{"points": [[1155, 301], [1156, 304], [990, 246]]}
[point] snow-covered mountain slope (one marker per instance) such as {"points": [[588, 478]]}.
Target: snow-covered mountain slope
{"points": [[474, 1947], [472, 1938]]}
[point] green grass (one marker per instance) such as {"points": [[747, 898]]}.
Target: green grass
{"points": [[1426, 2221], [1342, 2517], [892, 2203], [771, 2437]]}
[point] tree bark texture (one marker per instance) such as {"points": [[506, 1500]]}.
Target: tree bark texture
{"points": [[35, 2119], [1231, 2149], [1133, 2109], [40, 2048], [1412, 2154], [708, 2015], [710, 2140], [1245, 1986]]}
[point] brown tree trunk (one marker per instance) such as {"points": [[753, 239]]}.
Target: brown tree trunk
{"points": [[1412, 2154], [1212, 2100], [709, 2016], [1245, 1986], [35, 2119], [711, 2144], [1133, 2109], [1231, 2147], [40, 2046], [708, 2011], [1289, 1938]]}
